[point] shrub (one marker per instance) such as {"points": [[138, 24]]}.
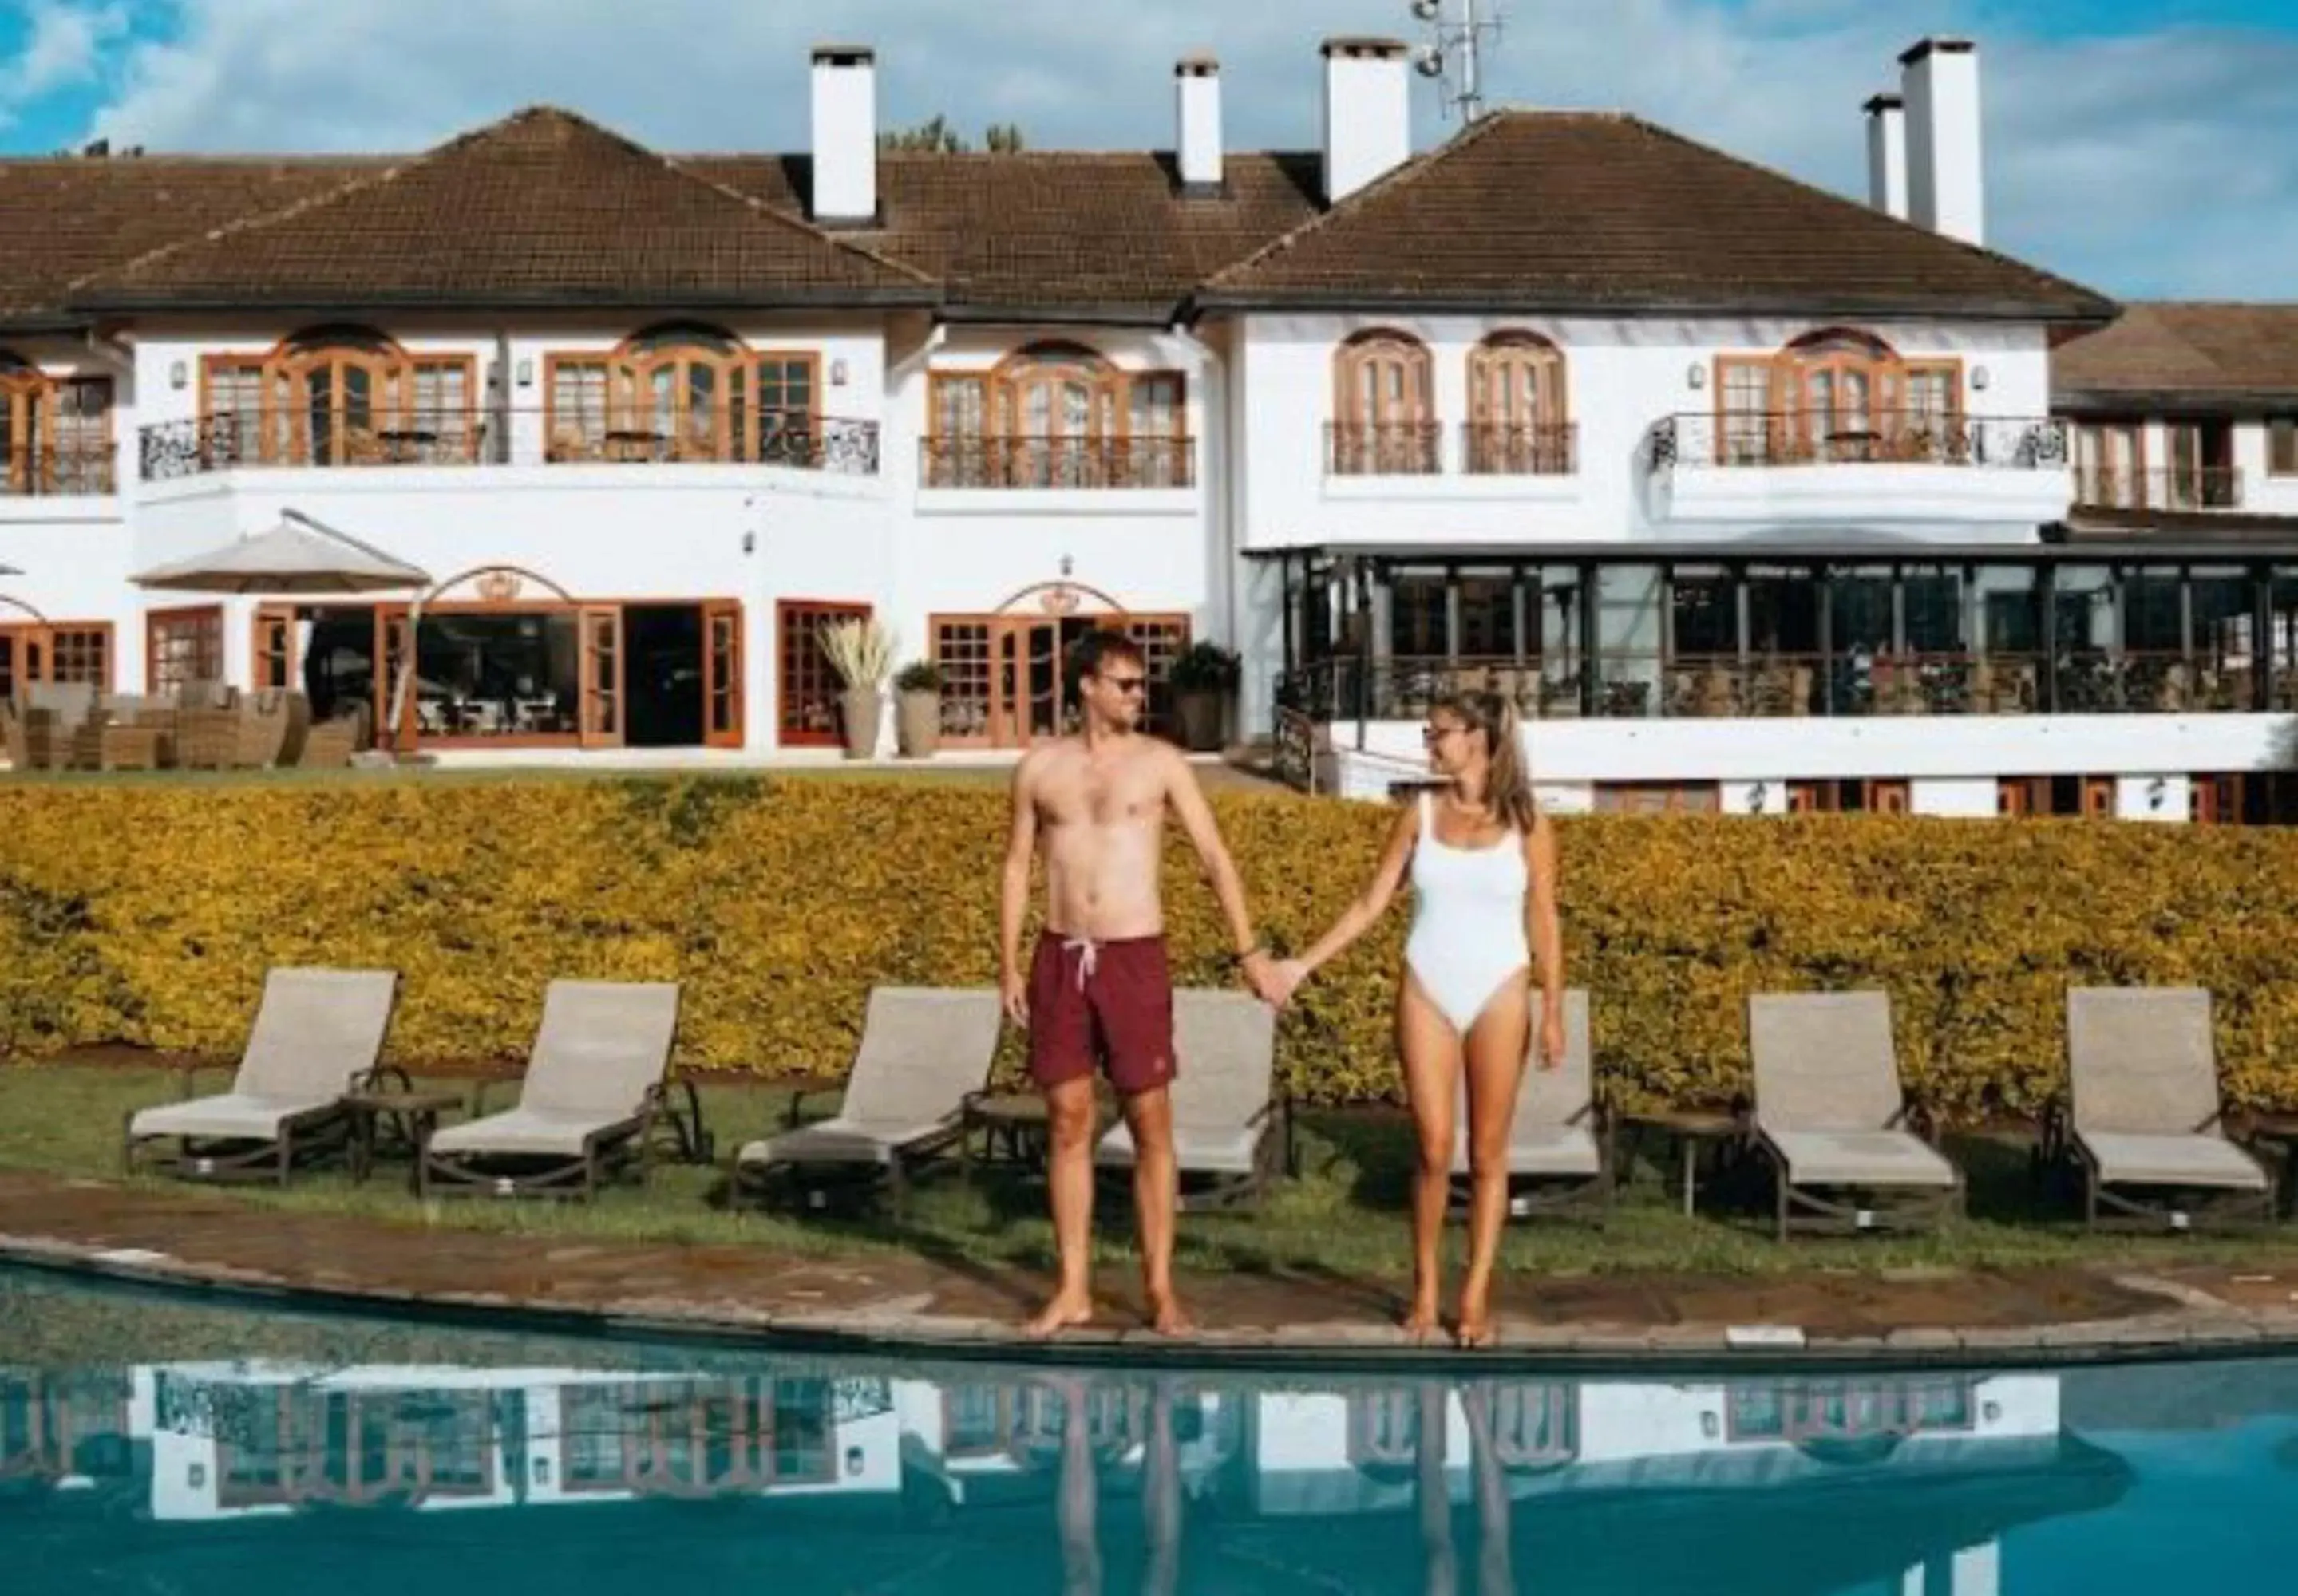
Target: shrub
{"points": [[919, 676], [148, 914]]}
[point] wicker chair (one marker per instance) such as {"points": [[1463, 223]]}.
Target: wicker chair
{"points": [[261, 727]]}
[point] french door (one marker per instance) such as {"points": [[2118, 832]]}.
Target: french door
{"points": [[1005, 677], [721, 674]]}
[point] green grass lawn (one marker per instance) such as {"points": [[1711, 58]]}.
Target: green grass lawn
{"points": [[1344, 1216]]}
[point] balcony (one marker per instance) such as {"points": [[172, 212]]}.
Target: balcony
{"points": [[1055, 463], [1766, 439], [2184, 488], [1820, 468], [1519, 450], [458, 437], [55, 471], [1632, 686]]}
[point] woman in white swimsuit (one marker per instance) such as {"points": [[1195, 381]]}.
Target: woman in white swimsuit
{"points": [[1483, 862]]}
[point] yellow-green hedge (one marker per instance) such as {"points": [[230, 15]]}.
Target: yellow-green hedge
{"points": [[148, 914]]}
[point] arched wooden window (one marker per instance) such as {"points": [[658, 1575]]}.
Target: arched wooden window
{"points": [[340, 396], [1517, 425], [55, 432], [1054, 405], [1384, 407], [1058, 415], [684, 393], [1838, 395]]}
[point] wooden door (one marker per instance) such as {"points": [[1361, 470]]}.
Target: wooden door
{"points": [[602, 675], [721, 674], [391, 647], [276, 664], [1028, 692]]}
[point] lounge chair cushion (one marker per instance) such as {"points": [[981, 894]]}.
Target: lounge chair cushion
{"points": [[1556, 1150], [841, 1140], [1224, 1061], [523, 1129], [2208, 1161], [1861, 1158], [1197, 1151], [233, 1115]]}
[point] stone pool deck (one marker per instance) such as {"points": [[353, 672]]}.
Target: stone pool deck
{"points": [[912, 1303]]}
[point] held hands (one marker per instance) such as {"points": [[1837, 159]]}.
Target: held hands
{"points": [[1274, 980]]}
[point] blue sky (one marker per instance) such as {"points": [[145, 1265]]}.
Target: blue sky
{"points": [[2144, 147]]}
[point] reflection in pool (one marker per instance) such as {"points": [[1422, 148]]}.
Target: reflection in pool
{"points": [[149, 1446]]}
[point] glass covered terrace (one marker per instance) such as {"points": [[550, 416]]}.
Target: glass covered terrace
{"points": [[1705, 631]]}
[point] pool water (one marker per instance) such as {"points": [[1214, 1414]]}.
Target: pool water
{"points": [[164, 1445]]}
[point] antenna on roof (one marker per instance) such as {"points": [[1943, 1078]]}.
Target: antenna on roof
{"points": [[1457, 32]]}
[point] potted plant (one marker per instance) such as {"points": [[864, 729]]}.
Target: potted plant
{"points": [[862, 653], [1205, 680], [917, 709]]}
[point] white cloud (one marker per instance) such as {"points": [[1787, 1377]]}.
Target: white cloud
{"points": [[64, 47], [2156, 163]]}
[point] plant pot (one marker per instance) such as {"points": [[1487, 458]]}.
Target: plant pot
{"points": [[1201, 712], [917, 724], [859, 710]]}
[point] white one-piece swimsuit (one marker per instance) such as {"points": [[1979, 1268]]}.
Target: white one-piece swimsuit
{"points": [[1467, 920]]}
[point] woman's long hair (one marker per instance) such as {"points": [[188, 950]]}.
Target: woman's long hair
{"points": [[1508, 788]]}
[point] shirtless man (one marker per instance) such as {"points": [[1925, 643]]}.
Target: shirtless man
{"points": [[1096, 988]]}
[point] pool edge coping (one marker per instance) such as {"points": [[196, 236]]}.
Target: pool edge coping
{"points": [[2183, 1329]]}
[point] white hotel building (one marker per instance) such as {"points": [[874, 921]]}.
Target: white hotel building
{"points": [[1753, 497]]}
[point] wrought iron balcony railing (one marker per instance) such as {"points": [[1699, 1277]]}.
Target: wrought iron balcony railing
{"points": [[1519, 449], [42, 471], [456, 436], [2161, 488], [1401, 448], [1057, 463], [1794, 438]]}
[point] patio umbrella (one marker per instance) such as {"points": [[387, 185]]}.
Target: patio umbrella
{"points": [[298, 555]]}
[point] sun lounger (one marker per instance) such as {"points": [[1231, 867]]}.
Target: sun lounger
{"points": [[592, 1101], [1231, 1130], [1557, 1141], [317, 1036], [2142, 1071], [1832, 1118], [924, 1050]]}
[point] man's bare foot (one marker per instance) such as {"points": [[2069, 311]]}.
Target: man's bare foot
{"points": [[1168, 1317], [1067, 1311]]}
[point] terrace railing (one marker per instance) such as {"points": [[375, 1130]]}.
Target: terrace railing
{"points": [[1709, 439]]}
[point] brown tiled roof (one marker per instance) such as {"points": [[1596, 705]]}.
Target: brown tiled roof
{"points": [[64, 217], [1568, 211], [541, 208], [1528, 211], [2190, 353], [1053, 232]]}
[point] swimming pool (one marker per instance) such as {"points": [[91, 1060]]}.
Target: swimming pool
{"points": [[151, 1443]]}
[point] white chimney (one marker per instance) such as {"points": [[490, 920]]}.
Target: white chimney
{"points": [[1887, 155], [1368, 113], [845, 135], [1945, 188], [1197, 130]]}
